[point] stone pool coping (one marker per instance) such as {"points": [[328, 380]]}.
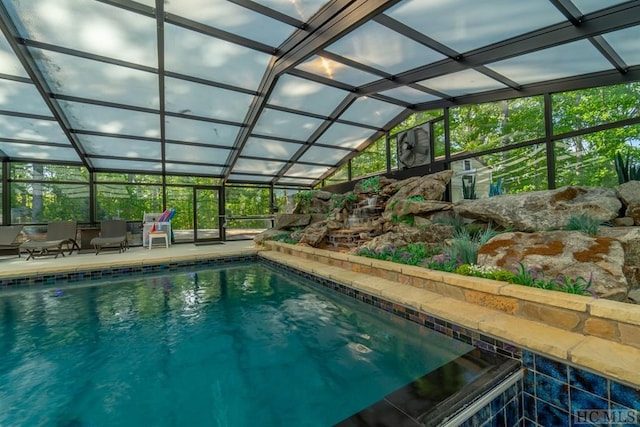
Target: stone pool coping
{"points": [[599, 335]]}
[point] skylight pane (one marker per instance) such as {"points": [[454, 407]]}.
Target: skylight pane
{"points": [[465, 25], [9, 64], [305, 95], [249, 178], [71, 75], [298, 180], [127, 165], [195, 54], [286, 125], [337, 71], [588, 6], [299, 9], [186, 97], [232, 18], [409, 94], [111, 120], [625, 42], [346, 136], [190, 153], [90, 26], [38, 152], [379, 47], [120, 147], [306, 171], [462, 83], [180, 129], [557, 62], [371, 112], [269, 149], [32, 130], [258, 166], [324, 156], [22, 97], [193, 169]]}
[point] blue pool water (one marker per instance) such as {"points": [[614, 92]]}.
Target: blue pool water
{"points": [[243, 345]]}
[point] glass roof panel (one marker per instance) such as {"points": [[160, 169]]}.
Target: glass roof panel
{"points": [[625, 42], [211, 133], [75, 76], [323, 155], [269, 149], [127, 165], [462, 83], [39, 152], [299, 180], [409, 94], [9, 63], [186, 97], [370, 111], [286, 125], [346, 136], [561, 61], [305, 95], [195, 54], [337, 71], [121, 147], [464, 25], [111, 120], [306, 171], [588, 6], [233, 18], [22, 97], [250, 178], [262, 167], [97, 28], [384, 49], [193, 169], [191, 153], [299, 9], [32, 130]]}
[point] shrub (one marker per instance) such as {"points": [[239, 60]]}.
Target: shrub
{"points": [[585, 223], [371, 184]]}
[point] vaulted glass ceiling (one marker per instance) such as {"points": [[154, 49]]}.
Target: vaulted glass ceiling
{"points": [[279, 91]]}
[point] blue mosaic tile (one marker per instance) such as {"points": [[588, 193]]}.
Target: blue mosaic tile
{"points": [[551, 368], [582, 400], [497, 404], [512, 412], [552, 391], [587, 381], [551, 416], [625, 395], [529, 406]]}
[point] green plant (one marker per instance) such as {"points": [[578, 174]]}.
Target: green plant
{"points": [[526, 276], [469, 187], [409, 220], [495, 189], [339, 201], [578, 286], [627, 169], [285, 238], [303, 199], [585, 223], [410, 200], [455, 221], [371, 184]]}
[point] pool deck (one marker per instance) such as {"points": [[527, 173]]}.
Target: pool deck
{"points": [[12, 266]]}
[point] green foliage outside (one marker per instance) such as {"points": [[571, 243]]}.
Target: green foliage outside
{"points": [[627, 168]]}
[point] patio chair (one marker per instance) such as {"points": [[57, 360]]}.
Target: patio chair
{"points": [[113, 234], [8, 236], [59, 234]]}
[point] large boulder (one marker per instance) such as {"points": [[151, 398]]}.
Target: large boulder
{"points": [[412, 193], [268, 234], [629, 237], [410, 207], [570, 253], [291, 221], [542, 210], [629, 193], [315, 234], [434, 235]]}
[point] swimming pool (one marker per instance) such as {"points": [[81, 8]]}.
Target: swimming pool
{"points": [[240, 345]]}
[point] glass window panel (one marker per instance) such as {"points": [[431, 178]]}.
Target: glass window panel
{"points": [[196, 54], [592, 107], [193, 169], [464, 25], [128, 201], [323, 155], [269, 149], [192, 153], [192, 180], [462, 83], [345, 136], [129, 178], [44, 172], [339, 176], [262, 167], [247, 201], [373, 159], [625, 43], [71, 75], [588, 6], [211, 133], [97, 28], [126, 165], [561, 61], [34, 202], [286, 125], [185, 97], [181, 199], [370, 111], [438, 140], [249, 178], [111, 120], [35, 130], [233, 18], [409, 94], [379, 47], [493, 125], [39, 152], [304, 95], [302, 9], [9, 63], [284, 199], [588, 160], [22, 98], [120, 147], [306, 171], [337, 71]]}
